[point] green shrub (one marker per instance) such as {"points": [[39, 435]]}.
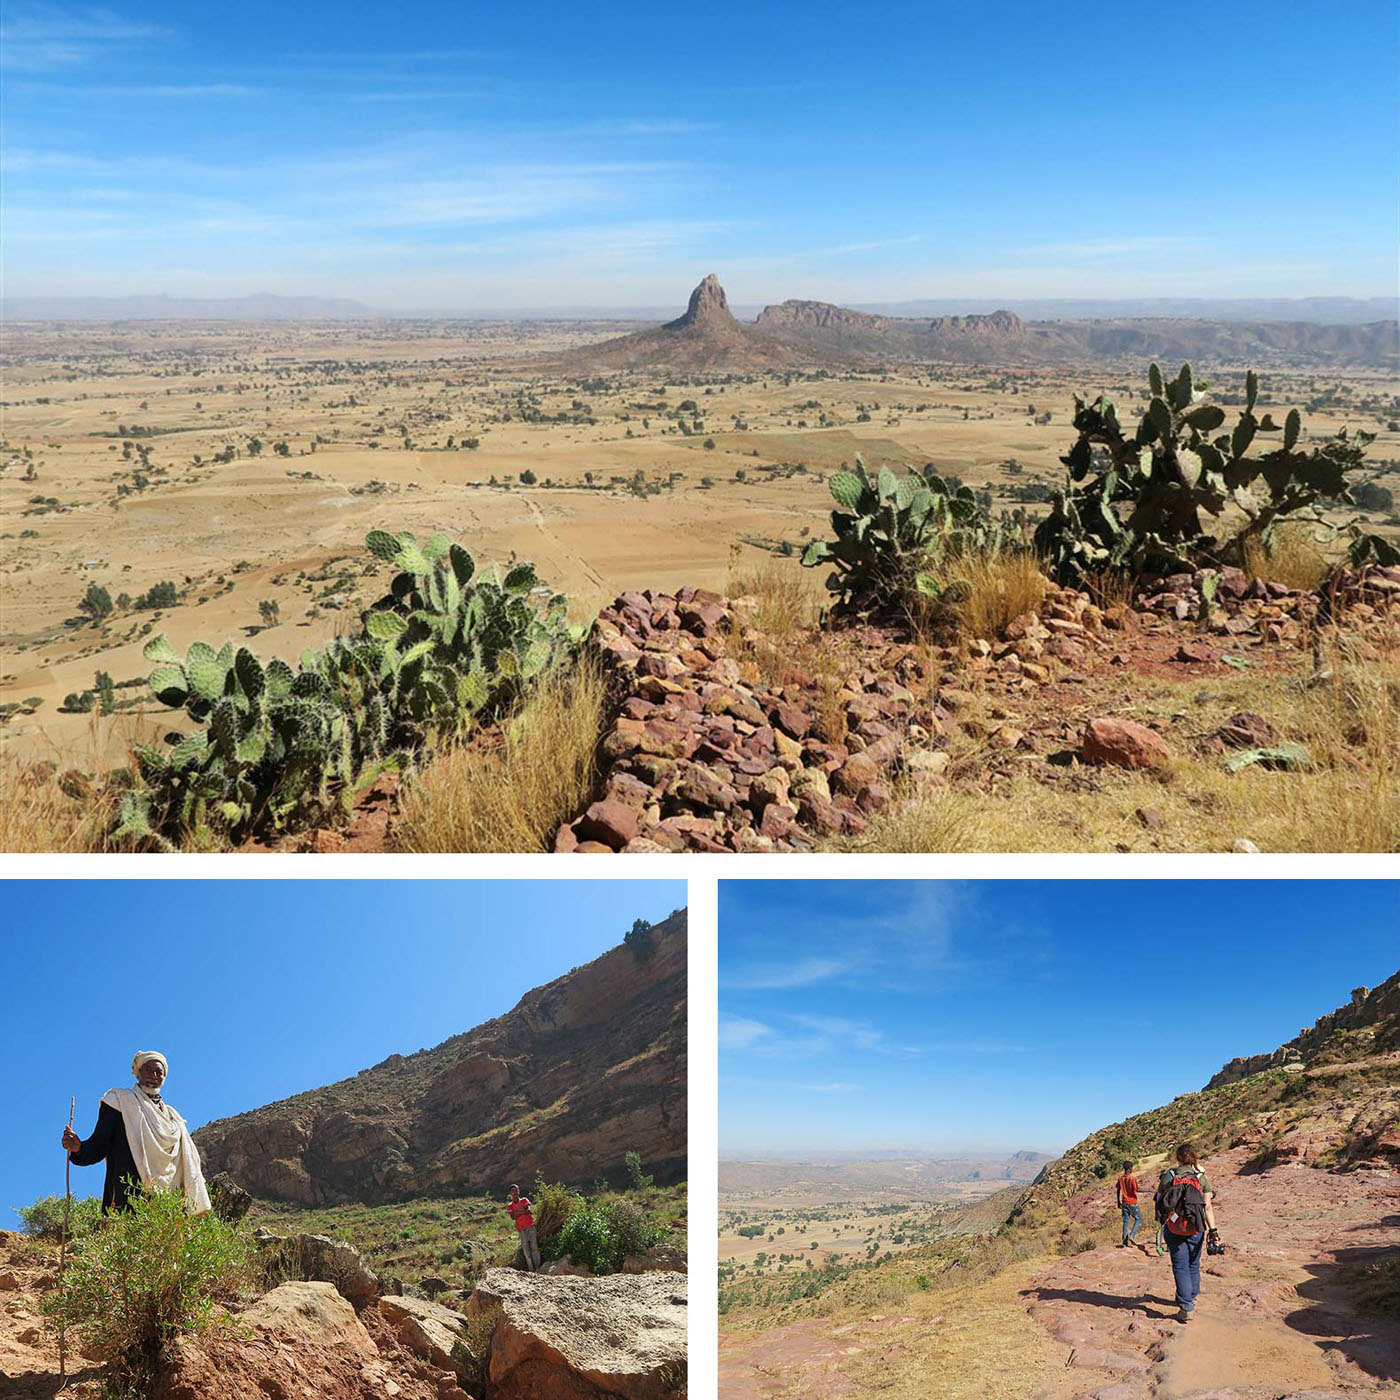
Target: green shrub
{"points": [[892, 536], [631, 1231], [639, 1179], [588, 1239], [44, 1219], [150, 1274]]}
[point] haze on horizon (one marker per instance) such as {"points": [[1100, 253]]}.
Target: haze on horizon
{"points": [[992, 1016], [448, 158]]}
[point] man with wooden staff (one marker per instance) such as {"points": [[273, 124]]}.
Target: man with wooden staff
{"points": [[144, 1142]]}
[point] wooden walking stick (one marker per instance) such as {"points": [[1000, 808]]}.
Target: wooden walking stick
{"points": [[63, 1248]]}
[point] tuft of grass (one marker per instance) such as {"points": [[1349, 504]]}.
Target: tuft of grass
{"points": [[512, 797], [38, 816], [1000, 586], [1294, 557], [1378, 1289]]}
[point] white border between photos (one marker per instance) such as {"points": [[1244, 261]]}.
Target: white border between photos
{"points": [[702, 873]]}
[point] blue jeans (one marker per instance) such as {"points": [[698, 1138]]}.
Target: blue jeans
{"points": [[1133, 1214], [1185, 1251]]}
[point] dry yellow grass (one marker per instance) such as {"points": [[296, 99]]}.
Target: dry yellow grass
{"points": [[514, 797], [37, 816], [1001, 587], [1293, 556], [1347, 717]]}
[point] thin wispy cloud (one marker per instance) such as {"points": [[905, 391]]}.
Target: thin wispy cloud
{"points": [[42, 38], [740, 1033], [859, 1034], [801, 972]]}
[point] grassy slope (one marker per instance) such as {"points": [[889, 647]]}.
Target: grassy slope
{"points": [[448, 1237]]}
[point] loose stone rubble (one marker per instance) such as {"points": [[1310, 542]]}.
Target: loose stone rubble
{"points": [[699, 759]]}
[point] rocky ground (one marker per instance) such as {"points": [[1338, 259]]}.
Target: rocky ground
{"points": [[518, 1337]]}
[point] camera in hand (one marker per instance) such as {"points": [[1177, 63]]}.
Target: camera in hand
{"points": [[1213, 1245]]}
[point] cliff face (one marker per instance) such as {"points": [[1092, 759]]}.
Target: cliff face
{"points": [[581, 1072], [1371, 1020]]}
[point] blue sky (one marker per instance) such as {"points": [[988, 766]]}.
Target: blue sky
{"points": [[256, 989], [450, 156], [966, 1015]]}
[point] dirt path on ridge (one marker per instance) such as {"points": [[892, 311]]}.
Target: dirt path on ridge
{"points": [[1276, 1318]]}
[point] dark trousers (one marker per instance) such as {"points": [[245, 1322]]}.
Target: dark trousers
{"points": [[1185, 1251]]}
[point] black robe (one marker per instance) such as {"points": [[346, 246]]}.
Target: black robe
{"points": [[107, 1143]]}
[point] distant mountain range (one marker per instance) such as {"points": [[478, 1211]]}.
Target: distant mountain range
{"points": [[805, 334], [1332, 311]]}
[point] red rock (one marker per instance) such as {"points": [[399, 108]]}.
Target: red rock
{"points": [[856, 774], [565, 840], [609, 821], [1245, 730], [1123, 743], [793, 721]]}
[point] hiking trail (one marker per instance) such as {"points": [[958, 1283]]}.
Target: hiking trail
{"points": [[1277, 1316]]}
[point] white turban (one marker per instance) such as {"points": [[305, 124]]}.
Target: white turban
{"points": [[145, 1057]]}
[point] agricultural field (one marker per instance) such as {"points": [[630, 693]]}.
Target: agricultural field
{"points": [[217, 482]]}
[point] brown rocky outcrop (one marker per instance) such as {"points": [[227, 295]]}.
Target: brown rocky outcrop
{"points": [[1371, 1019], [581, 1072], [699, 759], [617, 1338], [301, 1340], [429, 1330]]}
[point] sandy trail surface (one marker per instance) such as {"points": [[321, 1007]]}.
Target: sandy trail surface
{"points": [[1277, 1316]]}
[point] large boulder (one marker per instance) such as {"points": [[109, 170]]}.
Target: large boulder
{"points": [[430, 1330], [617, 1338], [664, 1258], [313, 1314], [318, 1258], [229, 1199]]}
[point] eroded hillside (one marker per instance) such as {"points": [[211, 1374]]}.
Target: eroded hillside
{"points": [[581, 1072]]}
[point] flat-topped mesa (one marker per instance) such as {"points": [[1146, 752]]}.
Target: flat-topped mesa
{"points": [[825, 315], [708, 305]]}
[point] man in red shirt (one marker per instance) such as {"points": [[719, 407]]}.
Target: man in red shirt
{"points": [[1127, 1189], [519, 1208]]}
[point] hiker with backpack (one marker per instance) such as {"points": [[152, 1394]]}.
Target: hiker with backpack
{"points": [[1126, 1188], [1186, 1211]]}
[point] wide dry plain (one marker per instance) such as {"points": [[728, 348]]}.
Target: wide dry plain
{"points": [[270, 450]]}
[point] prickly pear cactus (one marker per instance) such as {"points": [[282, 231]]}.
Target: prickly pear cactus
{"points": [[276, 747], [1138, 503], [891, 532]]}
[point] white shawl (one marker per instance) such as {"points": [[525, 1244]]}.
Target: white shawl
{"points": [[161, 1146]]}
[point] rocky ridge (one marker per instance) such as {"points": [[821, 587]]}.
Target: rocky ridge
{"points": [[1371, 1019], [579, 1073]]}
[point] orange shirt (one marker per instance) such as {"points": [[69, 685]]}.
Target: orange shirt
{"points": [[1128, 1189]]}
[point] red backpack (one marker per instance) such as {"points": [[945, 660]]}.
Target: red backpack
{"points": [[1181, 1205]]}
